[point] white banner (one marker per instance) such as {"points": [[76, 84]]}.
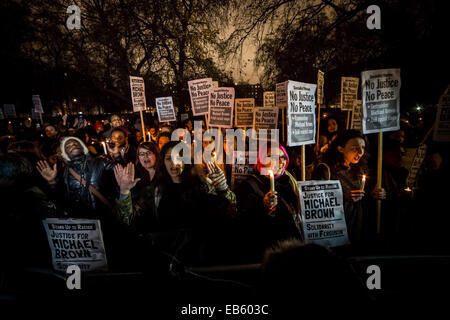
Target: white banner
{"points": [[165, 109], [199, 92], [381, 100], [221, 105], [37, 103], [349, 92], [442, 129], [323, 216], [137, 87], [301, 119], [244, 115], [76, 242]]}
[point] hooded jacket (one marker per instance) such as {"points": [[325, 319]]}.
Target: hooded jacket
{"points": [[78, 200]]}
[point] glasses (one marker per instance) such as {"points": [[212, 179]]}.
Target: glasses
{"points": [[143, 154]]}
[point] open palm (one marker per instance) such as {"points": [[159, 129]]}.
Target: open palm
{"points": [[125, 177], [46, 171]]}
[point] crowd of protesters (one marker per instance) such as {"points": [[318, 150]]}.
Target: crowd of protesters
{"points": [[150, 203]]}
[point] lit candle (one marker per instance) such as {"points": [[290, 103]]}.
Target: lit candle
{"points": [[213, 156], [104, 147], [408, 189], [149, 136], [272, 181], [363, 181]]}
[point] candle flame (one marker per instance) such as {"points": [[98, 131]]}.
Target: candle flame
{"points": [[364, 177]]}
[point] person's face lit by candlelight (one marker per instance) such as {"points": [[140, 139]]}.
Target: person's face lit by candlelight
{"points": [[174, 166], [353, 151]]}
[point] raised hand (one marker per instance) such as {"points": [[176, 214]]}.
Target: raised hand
{"points": [[47, 172], [216, 177], [125, 177]]}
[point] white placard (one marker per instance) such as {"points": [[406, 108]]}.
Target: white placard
{"points": [[165, 109], [266, 118], [301, 119], [357, 115], [269, 99], [281, 94], [37, 104], [442, 124], [199, 92], [381, 100], [323, 216], [320, 85], [137, 87], [76, 241], [221, 105], [244, 115], [349, 92]]}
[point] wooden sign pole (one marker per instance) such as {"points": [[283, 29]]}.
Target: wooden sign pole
{"points": [[379, 177], [143, 127]]}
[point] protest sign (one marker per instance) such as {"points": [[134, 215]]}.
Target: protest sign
{"points": [[323, 212], [221, 105], [320, 83], [414, 168], [281, 94], [381, 100], [37, 104], [269, 99], [34, 114], [241, 167], [442, 124], [349, 92], [266, 118], [199, 92], [357, 115], [244, 112], [9, 110], [165, 109], [300, 113], [76, 241], [184, 116], [137, 87]]}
